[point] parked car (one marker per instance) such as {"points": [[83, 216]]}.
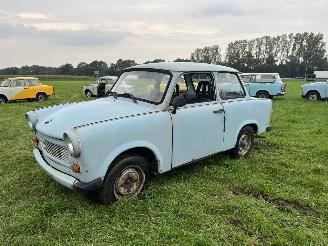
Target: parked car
{"points": [[100, 87], [315, 91], [263, 85], [156, 118], [24, 88]]}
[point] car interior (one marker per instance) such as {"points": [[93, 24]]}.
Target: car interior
{"points": [[195, 88]]}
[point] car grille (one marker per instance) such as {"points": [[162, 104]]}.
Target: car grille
{"points": [[58, 151]]}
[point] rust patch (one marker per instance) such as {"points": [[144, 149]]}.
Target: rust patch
{"points": [[280, 203]]}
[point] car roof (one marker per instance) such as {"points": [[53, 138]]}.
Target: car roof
{"points": [[257, 73], [109, 77], [15, 78], [186, 67]]}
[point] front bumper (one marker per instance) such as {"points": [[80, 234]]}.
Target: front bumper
{"points": [[65, 179]]}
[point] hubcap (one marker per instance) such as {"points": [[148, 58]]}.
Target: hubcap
{"points": [[129, 182], [2, 101], [244, 144], [313, 97], [41, 98], [262, 96], [88, 94]]}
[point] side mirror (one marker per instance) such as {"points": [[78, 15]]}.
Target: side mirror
{"points": [[178, 101]]}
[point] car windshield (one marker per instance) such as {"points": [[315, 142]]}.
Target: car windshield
{"points": [[5, 83], [144, 85]]}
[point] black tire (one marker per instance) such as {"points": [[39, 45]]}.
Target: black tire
{"points": [[313, 96], [126, 179], [244, 143], [262, 94], [88, 93], [40, 97], [3, 100]]}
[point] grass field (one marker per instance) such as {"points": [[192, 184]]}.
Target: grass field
{"points": [[277, 195]]}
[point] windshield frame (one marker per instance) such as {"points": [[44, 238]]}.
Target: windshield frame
{"points": [[148, 70]]}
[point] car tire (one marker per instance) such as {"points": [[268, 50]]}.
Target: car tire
{"points": [[313, 96], [126, 179], [88, 93], [263, 94], [40, 97], [3, 100], [244, 143]]}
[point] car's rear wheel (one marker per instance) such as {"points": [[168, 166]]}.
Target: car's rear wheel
{"points": [[126, 179], [244, 143], [262, 94], [40, 97], [88, 93], [3, 100], [313, 96]]}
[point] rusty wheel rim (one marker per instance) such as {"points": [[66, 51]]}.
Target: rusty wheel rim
{"points": [[129, 183], [244, 143]]}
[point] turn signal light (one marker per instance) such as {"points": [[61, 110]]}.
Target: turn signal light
{"points": [[35, 140], [75, 168]]}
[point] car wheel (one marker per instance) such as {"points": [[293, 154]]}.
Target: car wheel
{"points": [[40, 97], [3, 100], [262, 94], [88, 93], [126, 179], [244, 143], [313, 96]]}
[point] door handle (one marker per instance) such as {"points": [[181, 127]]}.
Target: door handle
{"points": [[221, 110]]}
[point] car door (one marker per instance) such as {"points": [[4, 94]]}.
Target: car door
{"points": [[197, 129], [18, 89], [232, 94]]}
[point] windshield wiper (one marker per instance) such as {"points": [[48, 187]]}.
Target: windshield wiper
{"points": [[112, 93], [126, 95]]}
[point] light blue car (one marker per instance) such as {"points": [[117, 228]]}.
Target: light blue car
{"points": [[264, 85], [157, 117], [315, 91]]}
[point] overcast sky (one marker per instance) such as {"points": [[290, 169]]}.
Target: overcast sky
{"points": [[54, 32]]}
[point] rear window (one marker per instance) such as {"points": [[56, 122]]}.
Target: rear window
{"points": [[32, 82], [265, 78]]}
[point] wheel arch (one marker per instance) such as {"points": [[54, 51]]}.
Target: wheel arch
{"points": [[252, 123], [262, 90], [147, 150], [4, 96], [313, 90]]}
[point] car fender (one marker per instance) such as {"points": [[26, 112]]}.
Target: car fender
{"points": [[125, 147], [245, 123]]}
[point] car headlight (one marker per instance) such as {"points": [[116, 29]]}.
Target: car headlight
{"points": [[31, 120], [72, 142]]}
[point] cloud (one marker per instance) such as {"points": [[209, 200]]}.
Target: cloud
{"points": [[32, 15], [59, 26]]}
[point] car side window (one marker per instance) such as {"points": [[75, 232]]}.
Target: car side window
{"points": [[229, 86], [18, 83]]}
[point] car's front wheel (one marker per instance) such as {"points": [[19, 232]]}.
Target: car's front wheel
{"points": [[244, 143], [126, 179], [40, 97], [313, 96], [88, 93]]}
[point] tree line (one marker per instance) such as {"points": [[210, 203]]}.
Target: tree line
{"points": [[291, 55]]}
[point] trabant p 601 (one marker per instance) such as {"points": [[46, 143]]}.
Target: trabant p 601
{"points": [[315, 91], [24, 88], [156, 117], [263, 85]]}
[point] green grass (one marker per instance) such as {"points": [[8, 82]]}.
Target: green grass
{"points": [[277, 195]]}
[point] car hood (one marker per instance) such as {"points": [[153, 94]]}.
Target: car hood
{"points": [[56, 123]]}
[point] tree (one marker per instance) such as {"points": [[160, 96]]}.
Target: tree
{"points": [[66, 69], [208, 54], [155, 61], [182, 60], [119, 66]]}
